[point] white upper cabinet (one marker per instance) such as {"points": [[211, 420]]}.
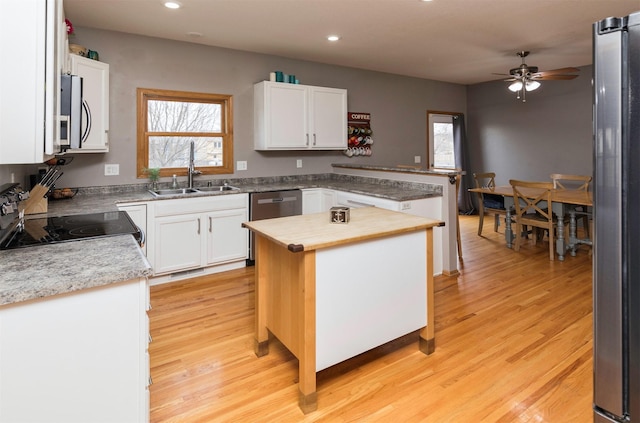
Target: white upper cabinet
{"points": [[299, 117], [34, 31], [95, 107]]}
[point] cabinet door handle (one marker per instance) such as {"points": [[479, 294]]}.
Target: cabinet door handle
{"points": [[198, 226], [307, 139], [314, 139], [210, 224]]}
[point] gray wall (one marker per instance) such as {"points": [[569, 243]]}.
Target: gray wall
{"points": [[397, 104], [550, 133]]}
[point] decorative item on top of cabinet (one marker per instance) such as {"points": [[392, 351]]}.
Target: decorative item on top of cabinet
{"points": [[359, 130], [95, 107], [299, 117]]}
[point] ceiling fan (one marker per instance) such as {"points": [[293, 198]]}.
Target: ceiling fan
{"points": [[525, 78]]}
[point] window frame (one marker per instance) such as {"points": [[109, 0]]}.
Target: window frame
{"points": [[142, 153], [434, 116]]}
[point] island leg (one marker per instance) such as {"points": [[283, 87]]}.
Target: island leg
{"points": [[427, 335], [261, 342], [308, 398]]}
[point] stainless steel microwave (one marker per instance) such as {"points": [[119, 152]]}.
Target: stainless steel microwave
{"points": [[70, 111]]}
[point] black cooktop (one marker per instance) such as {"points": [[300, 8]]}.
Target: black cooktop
{"points": [[52, 230]]}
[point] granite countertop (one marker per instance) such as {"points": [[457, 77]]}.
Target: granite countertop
{"points": [[41, 271], [399, 168], [90, 200]]}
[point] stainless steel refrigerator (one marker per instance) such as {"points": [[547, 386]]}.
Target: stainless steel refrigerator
{"points": [[616, 260]]}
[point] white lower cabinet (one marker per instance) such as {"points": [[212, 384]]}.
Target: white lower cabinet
{"points": [[77, 357], [317, 200], [191, 233], [226, 239]]}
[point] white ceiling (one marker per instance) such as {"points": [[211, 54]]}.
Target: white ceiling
{"points": [[459, 41]]}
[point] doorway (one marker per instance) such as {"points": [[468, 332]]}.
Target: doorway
{"points": [[440, 145]]}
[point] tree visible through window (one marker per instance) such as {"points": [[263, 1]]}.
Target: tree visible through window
{"points": [[440, 147], [443, 145], [169, 120]]}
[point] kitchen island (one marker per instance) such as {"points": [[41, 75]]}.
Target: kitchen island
{"points": [[330, 291]]}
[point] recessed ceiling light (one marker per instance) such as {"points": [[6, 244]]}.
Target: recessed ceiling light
{"points": [[194, 34], [333, 37], [172, 4]]}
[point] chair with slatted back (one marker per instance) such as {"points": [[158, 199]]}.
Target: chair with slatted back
{"points": [[488, 203], [532, 204], [579, 183]]}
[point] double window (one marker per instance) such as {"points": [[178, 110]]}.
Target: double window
{"points": [[169, 120]]}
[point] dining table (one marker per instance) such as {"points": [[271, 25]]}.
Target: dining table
{"points": [[565, 197]]}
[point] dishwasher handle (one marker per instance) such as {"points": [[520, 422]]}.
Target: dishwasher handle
{"points": [[277, 200]]}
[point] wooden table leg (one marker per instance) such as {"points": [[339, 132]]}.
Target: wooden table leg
{"points": [[427, 335], [308, 399], [261, 342]]}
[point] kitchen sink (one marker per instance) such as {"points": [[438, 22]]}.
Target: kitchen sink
{"points": [[174, 191], [215, 188]]}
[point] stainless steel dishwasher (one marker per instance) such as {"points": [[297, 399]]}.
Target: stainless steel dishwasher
{"points": [[269, 205]]}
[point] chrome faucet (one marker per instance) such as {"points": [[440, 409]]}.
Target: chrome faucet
{"points": [[191, 170]]}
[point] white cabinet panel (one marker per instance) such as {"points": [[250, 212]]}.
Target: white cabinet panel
{"points": [[226, 238], [29, 101], [317, 200], [177, 241], [299, 117], [76, 357]]}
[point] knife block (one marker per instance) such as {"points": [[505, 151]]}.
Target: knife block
{"points": [[37, 202], [39, 205]]}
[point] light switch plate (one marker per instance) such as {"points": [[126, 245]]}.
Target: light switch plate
{"points": [[241, 165], [417, 159], [298, 163]]}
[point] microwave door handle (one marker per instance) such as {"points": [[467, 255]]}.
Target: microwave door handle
{"points": [[87, 113]]}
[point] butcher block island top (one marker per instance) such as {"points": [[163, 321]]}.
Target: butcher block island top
{"points": [[330, 291], [315, 231]]}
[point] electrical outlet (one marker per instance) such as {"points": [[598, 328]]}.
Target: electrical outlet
{"points": [[406, 205], [417, 159], [241, 165], [111, 169], [298, 163]]}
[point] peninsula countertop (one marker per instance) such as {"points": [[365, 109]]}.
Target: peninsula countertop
{"points": [[315, 231]]}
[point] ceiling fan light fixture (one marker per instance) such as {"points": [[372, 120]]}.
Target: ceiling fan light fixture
{"points": [[532, 85], [516, 86]]}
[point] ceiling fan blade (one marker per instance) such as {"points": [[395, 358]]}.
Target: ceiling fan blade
{"points": [[553, 77], [557, 71]]}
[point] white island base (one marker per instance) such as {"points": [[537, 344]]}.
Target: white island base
{"points": [[328, 301]]}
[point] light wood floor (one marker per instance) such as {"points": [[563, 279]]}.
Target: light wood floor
{"points": [[513, 344]]}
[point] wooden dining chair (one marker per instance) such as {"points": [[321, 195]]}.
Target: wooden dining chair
{"points": [[533, 209], [579, 183], [488, 203]]}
